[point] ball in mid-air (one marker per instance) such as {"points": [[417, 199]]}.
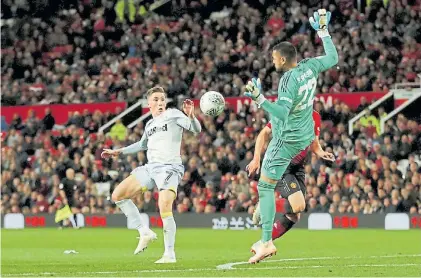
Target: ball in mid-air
{"points": [[212, 103]]}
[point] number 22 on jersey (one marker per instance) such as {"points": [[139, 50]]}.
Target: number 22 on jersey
{"points": [[308, 90]]}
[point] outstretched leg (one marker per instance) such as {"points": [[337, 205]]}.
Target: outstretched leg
{"points": [[122, 197], [276, 160]]}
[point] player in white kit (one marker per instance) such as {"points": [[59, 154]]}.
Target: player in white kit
{"points": [[162, 140]]}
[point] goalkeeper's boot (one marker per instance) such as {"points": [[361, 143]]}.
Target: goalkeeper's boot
{"points": [[266, 250], [277, 231], [144, 241], [256, 214], [167, 259], [256, 246]]}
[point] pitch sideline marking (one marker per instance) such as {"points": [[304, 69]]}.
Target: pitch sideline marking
{"points": [[210, 269], [229, 266], [239, 263]]}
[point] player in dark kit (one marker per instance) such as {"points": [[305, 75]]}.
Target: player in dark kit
{"points": [[68, 187], [292, 185]]}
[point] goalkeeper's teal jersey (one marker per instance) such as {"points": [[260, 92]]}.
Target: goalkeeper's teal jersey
{"points": [[291, 115], [297, 88]]}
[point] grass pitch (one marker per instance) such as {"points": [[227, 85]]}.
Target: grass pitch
{"points": [[203, 252]]}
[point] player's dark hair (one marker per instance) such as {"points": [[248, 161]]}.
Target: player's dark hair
{"points": [[156, 89], [287, 50]]}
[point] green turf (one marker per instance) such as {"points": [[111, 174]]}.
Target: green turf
{"points": [[108, 252]]}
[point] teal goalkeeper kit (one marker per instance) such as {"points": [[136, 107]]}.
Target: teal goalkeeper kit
{"points": [[294, 132]]}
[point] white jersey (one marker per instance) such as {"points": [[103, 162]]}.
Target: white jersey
{"points": [[163, 135]]}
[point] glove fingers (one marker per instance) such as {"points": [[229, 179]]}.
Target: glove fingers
{"points": [[256, 83], [328, 15], [312, 21], [250, 86], [316, 16]]}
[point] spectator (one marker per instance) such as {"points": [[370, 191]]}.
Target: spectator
{"points": [[118, 131], [189, 54], [149, 203], [48, 121]]}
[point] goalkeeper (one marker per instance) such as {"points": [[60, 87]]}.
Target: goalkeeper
{"points": [[291, 120]]}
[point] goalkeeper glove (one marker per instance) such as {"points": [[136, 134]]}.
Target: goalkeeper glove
{"points": [[254, 91], [319, 22]]}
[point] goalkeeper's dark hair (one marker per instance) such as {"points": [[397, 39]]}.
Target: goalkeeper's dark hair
{"points": [[287, 50]]}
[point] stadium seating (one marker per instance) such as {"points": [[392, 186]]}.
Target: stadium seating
{"points": [[66, 59], [85, 54]]}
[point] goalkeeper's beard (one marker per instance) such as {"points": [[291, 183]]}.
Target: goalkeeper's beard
{"points": [[281, 71]]}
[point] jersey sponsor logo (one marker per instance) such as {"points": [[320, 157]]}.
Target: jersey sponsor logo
{"points": [[157, 129], [286, 99]]}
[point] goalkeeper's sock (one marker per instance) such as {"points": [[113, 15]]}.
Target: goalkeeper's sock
{"points": [[133, 215], [281, 227], [267, 208], [169, 229], [72, 220]]}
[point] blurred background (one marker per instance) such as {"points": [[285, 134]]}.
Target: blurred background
{"points": [[74, 74]]}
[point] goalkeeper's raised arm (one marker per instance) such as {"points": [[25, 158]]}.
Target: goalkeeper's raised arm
{"points": [[320, 22], [298, 83]]}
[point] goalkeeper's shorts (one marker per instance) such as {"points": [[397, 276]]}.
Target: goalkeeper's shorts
{"points": [[277, 158]]}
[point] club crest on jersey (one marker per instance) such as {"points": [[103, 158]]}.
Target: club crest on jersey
{"points": [[293, 185], [156, 129]]}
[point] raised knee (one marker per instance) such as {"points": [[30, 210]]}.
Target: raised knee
{"points": [[298, 207], [115, 197]]}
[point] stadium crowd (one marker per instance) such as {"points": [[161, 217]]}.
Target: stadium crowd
{"points": [[88, 53], [365, 178]]}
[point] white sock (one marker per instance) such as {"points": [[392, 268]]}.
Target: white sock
{"points": [[133, 215], [169, 235], [72, 220]]}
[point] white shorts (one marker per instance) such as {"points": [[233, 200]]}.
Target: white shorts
{"points": [[163, 176]]}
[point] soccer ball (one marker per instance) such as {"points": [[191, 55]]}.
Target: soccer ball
{"points": [[212, 103]]}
